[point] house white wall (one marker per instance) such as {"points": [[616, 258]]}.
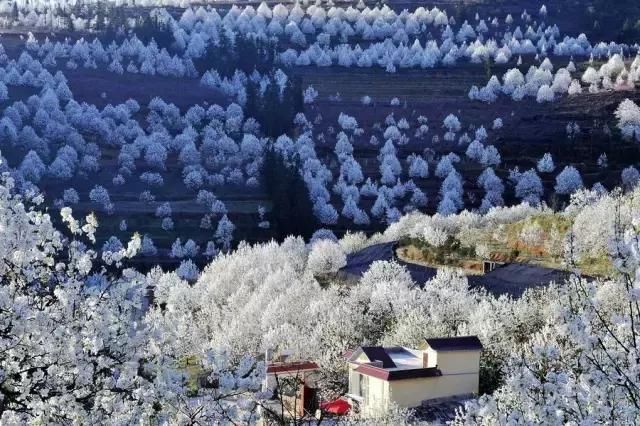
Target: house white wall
{"points": [[412, 392], [460, 376], [458, 362], [377, 396], [432, 357], [373, 399]]}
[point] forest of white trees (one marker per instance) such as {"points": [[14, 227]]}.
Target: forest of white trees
{"points": [[149, 255], [86, 335], [391, 40]]}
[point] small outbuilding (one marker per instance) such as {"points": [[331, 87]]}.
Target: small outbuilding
{"points": [[293, 383]]}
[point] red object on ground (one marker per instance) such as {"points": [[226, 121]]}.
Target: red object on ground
{"points": [[339, 407]]}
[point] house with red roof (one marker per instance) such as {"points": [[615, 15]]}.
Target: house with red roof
{"points": [[443, 368]]}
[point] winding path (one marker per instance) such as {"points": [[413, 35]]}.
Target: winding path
{"points": [[512, 279]]}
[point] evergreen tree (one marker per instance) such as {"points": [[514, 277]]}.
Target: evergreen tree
{"points": [[292, 212], [252, 105]]}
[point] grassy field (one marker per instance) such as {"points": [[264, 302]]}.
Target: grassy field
{"points": [[538, 240]]}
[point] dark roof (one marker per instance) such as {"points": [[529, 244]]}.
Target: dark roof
{"points": [[397, 350], [378, 353], [463, 343], [389, 375]]}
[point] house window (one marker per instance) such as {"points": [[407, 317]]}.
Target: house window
{"points": [[363, 384], [353, 383], [358, 385]]}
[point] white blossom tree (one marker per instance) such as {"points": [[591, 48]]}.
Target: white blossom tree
{"points": [[529, 187], [326, 257], [224, 232], [545, 164], [568, 181], [56, 297], [628, 115]]}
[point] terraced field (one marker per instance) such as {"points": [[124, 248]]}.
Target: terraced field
{"points": [[530, 129]]}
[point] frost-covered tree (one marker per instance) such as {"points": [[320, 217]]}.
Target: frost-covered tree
{"points": [[481, 134], [111, 246], [579, 364], [630, 177], [493, 187], [568, 181], [452, 124], [444, 167], [70, 196], [343, 148], [418, 167], [574, 88], [325, 212], [451, 193], [152, 179], [114, 371], [224, 233], [191, 249], [4, 92], [62, 168], [545, 94], [546, 164], [628, 115], [167, 224], [177, 251], [32, 167], [347, 123], [310, 95], [163, 210], [189, 155], [602, 161], [326, 257], [322, 234], [351, 171], [380, 206], [475, 151], [591, 76], [100, 195], [543, 11], [529, 187], [188, 271], [155, 155], [418, 198], [148, 248]]}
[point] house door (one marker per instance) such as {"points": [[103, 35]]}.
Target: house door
{"points": [[309, 401]]}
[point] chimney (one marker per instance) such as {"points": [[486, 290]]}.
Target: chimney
{"points": [[425, 359]]}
